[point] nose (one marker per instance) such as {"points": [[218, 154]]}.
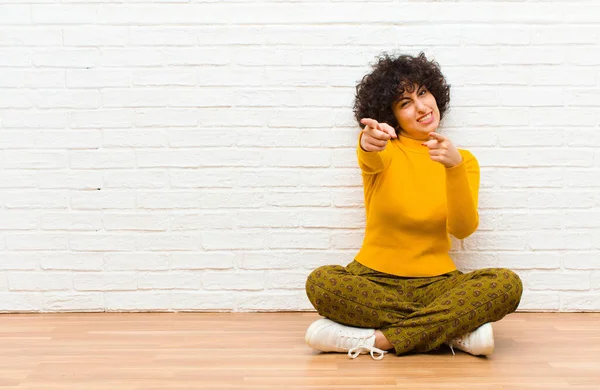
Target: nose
{"points": [[420, 106]]}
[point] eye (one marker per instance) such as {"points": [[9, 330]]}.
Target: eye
{"points": [[423, 91]]}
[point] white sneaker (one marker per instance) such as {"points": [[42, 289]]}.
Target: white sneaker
{"points": [[478, 342], [328, 336]]}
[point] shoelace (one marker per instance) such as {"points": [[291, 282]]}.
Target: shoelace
{"points": [[457, 341], [354, 352], [360, 346]]}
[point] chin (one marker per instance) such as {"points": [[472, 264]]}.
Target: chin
{"points": [[426, 132], [433, 128]]}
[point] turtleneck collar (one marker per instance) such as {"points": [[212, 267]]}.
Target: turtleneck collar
{"points": [[412, 144]]}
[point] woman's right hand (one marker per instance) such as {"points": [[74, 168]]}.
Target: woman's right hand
{"points": [[375, 135]]}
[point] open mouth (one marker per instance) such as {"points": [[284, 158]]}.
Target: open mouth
{"points": [[426, 118]]}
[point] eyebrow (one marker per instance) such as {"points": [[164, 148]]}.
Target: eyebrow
{"points": [[407, 97]]}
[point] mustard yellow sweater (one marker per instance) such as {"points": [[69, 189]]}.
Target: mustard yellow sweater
{"points": [[412, 205]]}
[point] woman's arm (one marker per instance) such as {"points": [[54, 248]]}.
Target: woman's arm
{"points": [[371, 163], [373, 156], [462, 193]]}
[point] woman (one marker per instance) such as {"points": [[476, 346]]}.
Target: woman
{"points": [[403, 291]]}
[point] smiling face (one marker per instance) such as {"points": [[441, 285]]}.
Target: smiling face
{"points": [[417, 113]]}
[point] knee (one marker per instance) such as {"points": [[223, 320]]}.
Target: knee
{"points": [[513, 280], [513, 286], [316, 276], [318, 283], [316, 280]]}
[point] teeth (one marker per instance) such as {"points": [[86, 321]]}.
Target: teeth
{"points": [[426, 117]]}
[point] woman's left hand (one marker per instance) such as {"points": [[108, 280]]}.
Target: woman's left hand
{"points": [[442, 150]]}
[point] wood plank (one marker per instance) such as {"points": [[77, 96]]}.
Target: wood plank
{"points": [[240, 351]]}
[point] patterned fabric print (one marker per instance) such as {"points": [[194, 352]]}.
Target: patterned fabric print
{"points": [[356, 300], [415, 314]]}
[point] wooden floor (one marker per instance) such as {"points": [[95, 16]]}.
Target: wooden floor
{"points": [[266, 351]]}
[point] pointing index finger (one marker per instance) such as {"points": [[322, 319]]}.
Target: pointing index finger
{"points": [[437, 136], [370, 122]]}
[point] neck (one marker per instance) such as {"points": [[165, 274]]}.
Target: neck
{"points": [[413, 143], [417, 137]]}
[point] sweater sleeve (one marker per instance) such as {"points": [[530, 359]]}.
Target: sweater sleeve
{"points": [[462, 192], [371, 163]]}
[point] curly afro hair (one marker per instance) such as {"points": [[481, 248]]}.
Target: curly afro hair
{"points": [[391, 76]]}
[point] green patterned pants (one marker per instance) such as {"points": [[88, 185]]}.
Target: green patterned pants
{"points": [[415, 314]]}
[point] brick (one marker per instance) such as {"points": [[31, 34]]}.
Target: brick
{"points": [[180, 280], [15, 14], [268, 301], [67, 139], [65, 261], [296, 158], [20, 302], [137, 301], [105, 281], [136, 261], [19, 261], [66, 58], [135, 221], [133, 138], [558, 281], [101, 242], [199, 200], [71, 221], [91, 159], [36, 241], [204, 260], [168, 242], [36, 281], [140, 178], [18, 220], [580, 301], [299, 240], [72, 302], [34, 159], [96, 78], [98, 200], [203, 301], [64, 14], [539, 301], [240, 281], [95, 36]]}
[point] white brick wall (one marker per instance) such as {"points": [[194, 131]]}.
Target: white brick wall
{"points": [[199, 155]]}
